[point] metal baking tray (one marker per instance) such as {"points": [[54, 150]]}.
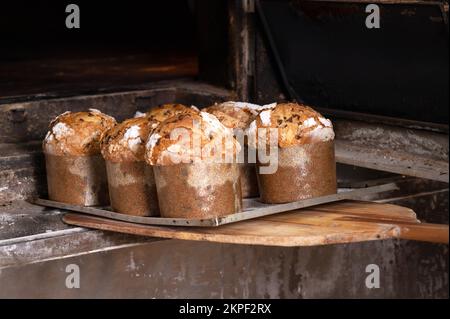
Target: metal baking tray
{"points": [[252, 209]]}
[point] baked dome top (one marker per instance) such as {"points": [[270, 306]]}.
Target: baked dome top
{"points": [[125, 142], [165, 111], [235, 114], [77, 133], [190, 138], [296, 123]]}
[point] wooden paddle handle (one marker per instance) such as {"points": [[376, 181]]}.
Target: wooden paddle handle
{"points": [[433, 233]]}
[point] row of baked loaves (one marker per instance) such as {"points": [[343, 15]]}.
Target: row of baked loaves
{"points": [[75, 141]]}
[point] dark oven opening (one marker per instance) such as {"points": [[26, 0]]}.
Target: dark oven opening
{"points": [[119, 45], [330, 59]]}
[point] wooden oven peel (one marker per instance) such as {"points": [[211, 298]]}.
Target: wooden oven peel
{"points": [[324, 220]]}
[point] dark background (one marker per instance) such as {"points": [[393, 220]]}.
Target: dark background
{"points": [[121, 45], [330, 58], [38, 26]]}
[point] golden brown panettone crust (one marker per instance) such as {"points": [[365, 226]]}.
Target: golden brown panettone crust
{"points": [[289, 119], [154, 153], [117, 147], [165, 111], [77, 133], [231, 116]]}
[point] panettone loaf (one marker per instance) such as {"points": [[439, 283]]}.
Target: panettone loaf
{"points": [[304, 166], [177, 137], [235, 114], [297, 124], [77, 133], [165, 111], [125, 142], [238, 116], [131, 181], [193, 156], [75, 169]]}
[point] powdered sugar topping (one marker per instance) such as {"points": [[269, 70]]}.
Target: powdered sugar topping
{"points": [[138, 114], [254, 108], [309, 122], [322, 133], [133, 138], [208, 139], [322, 130], [61, 130], [152, 140], [268, 106], [100, 113], [213, 124], [265, 117], [325, 122], [48, 137]]}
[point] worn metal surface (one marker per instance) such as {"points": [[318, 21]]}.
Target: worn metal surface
{"points": [[413, 152], [381, 119], [182, 269], [432, 206], [22, 171], [27, 121], [226, 50], [241, 45], [267, 81]]}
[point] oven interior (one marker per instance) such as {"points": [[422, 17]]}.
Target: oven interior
{"points": [[386, 91]]}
